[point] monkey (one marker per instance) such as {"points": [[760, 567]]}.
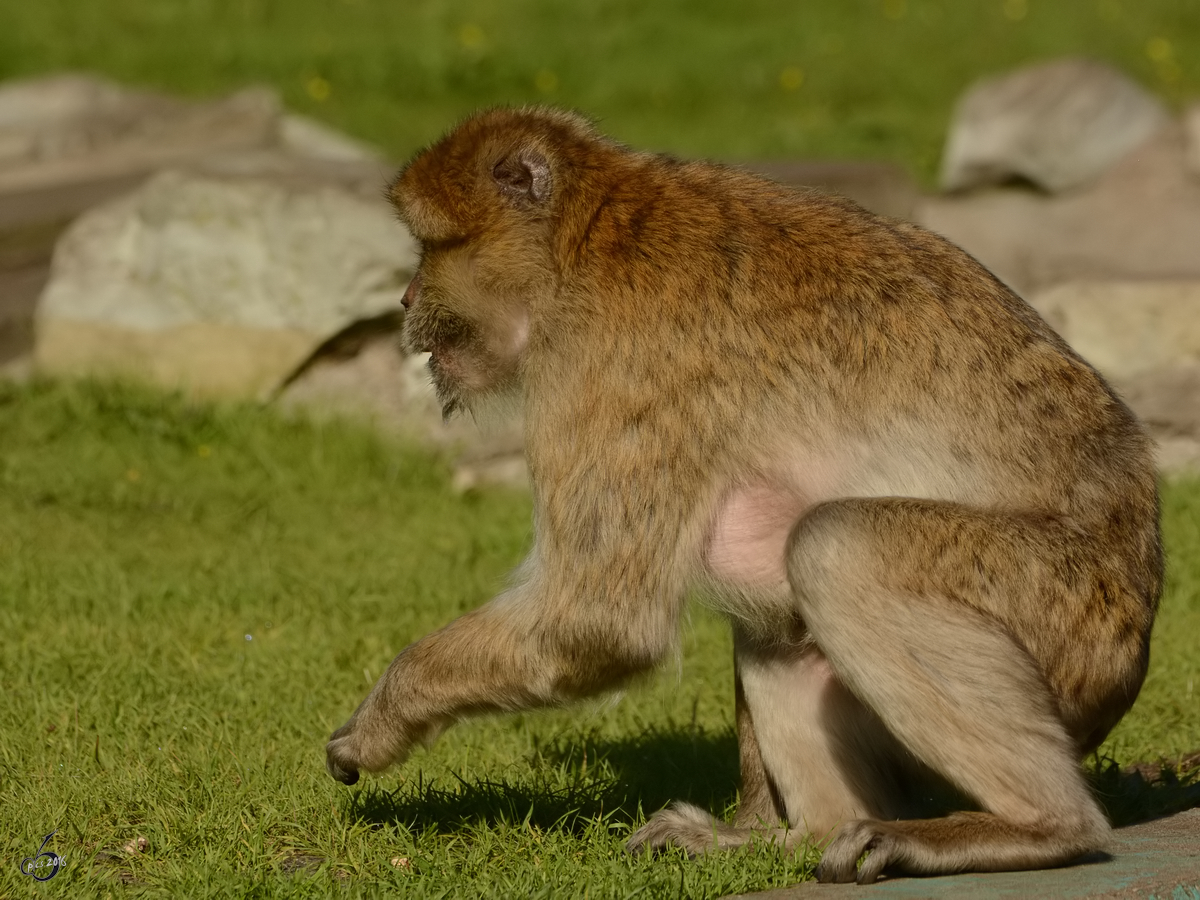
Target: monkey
{"points": [[933, 527]]}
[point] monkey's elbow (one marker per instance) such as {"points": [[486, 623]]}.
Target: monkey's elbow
{"points": [[594, 666]]}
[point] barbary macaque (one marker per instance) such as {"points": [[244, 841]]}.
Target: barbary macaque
{"points": [[933, 526]]}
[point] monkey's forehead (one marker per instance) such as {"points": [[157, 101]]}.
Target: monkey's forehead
{"points": [[449, 184]]}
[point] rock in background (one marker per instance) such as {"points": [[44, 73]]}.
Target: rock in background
{"points": [[360, 371], [217, 285], [884, 188], [1056, 125], [1075, 187], [1145, 337], [70, 142], [1138, 220]]}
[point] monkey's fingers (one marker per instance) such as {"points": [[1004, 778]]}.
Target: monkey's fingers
{"points": [[338, 761]]}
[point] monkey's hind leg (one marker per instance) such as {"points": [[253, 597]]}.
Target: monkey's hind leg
{"points": [[759, 810], [812, 756], [885, 587]]}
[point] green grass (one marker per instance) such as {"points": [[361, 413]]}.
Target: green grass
{"points": [[757, 78], [192, 597]]}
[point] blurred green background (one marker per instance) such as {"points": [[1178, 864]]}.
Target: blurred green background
{"points": [[751, 79]]}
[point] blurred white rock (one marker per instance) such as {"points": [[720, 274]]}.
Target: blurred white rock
{"points": [[308, 137], [1058, 125], [1127, 328]]}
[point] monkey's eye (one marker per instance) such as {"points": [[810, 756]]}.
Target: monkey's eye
{"points": [[443, 245]]}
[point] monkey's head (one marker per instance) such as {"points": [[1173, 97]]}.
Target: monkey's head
{"points": [[484, 203]]}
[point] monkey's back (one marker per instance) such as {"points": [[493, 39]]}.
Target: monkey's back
{"points": [[882, 318], [782, 311]]}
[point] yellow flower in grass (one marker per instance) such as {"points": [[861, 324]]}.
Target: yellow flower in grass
{"points": [[791, 78], [318, 88]]}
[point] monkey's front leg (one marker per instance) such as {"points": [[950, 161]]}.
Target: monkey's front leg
{"points": [[516, 652], [475, 664]]}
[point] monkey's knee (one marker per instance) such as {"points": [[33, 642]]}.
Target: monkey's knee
{"points": [[827, 548]]}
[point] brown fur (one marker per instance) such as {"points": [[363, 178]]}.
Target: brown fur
{"points": [[933, 525]]}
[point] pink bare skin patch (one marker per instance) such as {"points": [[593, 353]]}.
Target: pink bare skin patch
{"points": [[749, 535]]}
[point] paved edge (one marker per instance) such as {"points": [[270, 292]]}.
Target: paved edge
{"points": [[1158, 858]]}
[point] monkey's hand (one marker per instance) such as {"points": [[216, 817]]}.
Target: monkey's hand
{"points": [[341, 755], [376, 737], [363, 744], [497, 658]]}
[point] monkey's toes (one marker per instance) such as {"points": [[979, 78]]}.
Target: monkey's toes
{"points": [[681, 825], [839, 862]]}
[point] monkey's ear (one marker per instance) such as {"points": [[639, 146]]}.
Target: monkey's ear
{"points": [[524, 176]]}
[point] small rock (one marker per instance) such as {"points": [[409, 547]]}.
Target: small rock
{"points": [[137, 845], [362, 371], [1058, 125], [301, 863]]}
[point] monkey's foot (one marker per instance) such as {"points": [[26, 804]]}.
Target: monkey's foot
{"points": [[687, 827], [839, 864]]}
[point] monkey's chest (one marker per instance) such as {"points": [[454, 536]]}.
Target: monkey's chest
{"points": [[749, 533]]}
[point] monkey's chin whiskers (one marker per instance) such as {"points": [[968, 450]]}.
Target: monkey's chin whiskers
{"points": [[450, 406]]}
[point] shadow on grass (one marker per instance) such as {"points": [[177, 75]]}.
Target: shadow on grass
{"points": [[572, 785], [1146, 791]]}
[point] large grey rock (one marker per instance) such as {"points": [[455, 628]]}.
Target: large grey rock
{"points": [[1144, 336], [1058, 125], [262, 260], [1139, 220], [70, 142], [217, 285]]}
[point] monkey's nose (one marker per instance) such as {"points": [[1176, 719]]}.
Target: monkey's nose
{"points": [[410, 295]]}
